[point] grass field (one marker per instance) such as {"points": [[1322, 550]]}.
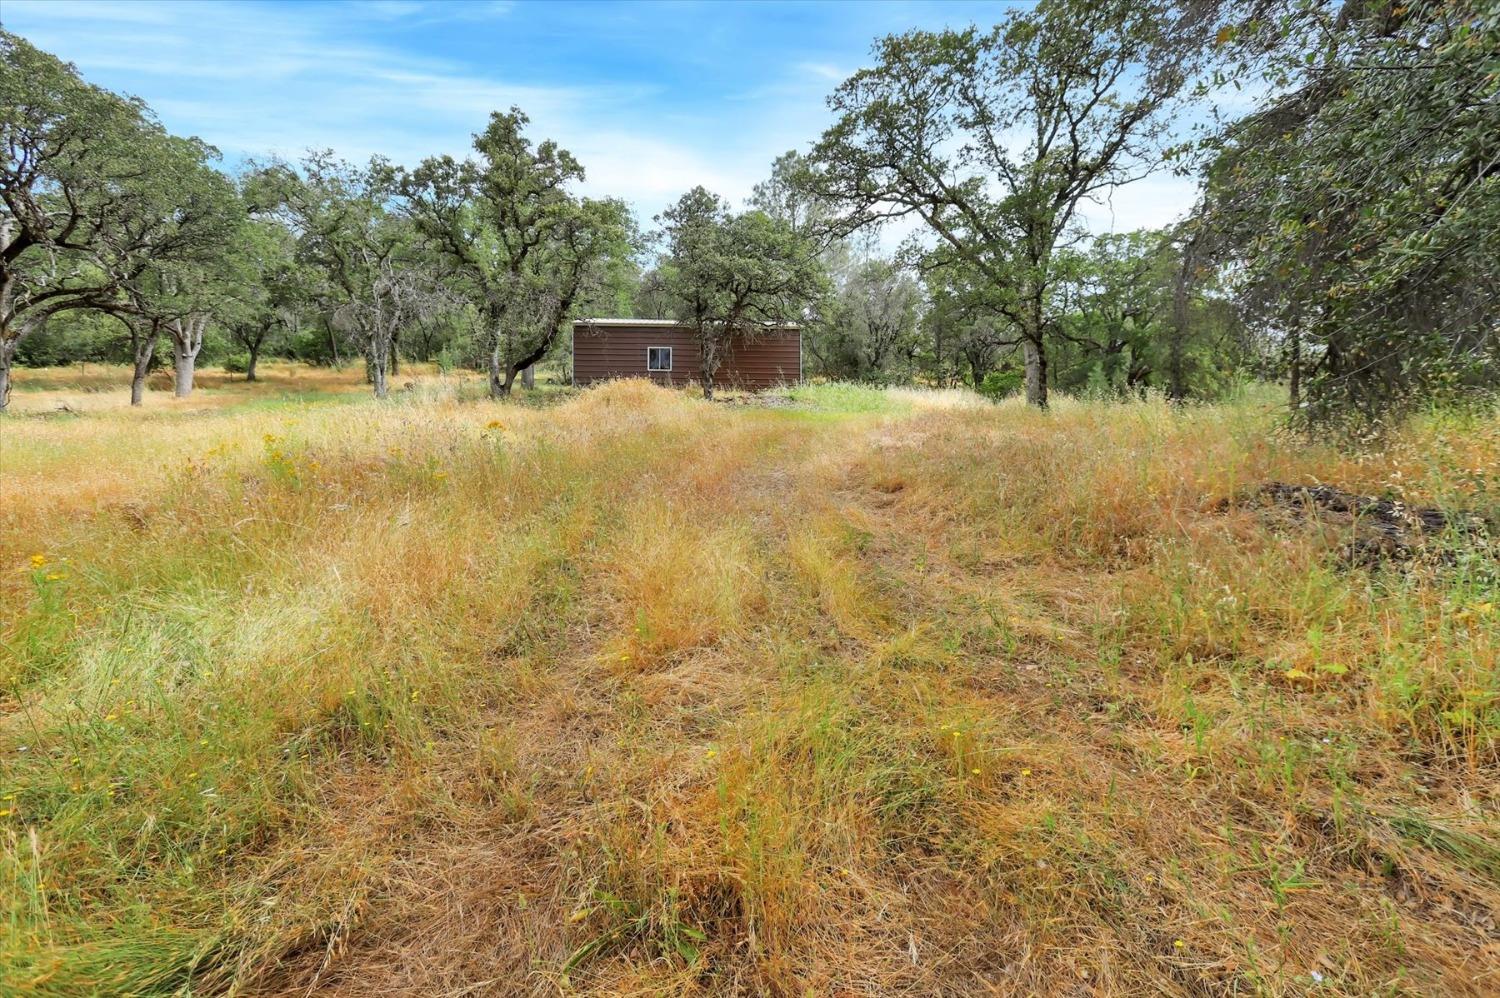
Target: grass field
{"points": [[630, 693]]}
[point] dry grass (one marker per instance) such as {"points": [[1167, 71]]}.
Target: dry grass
{"points": [[880, 693]]}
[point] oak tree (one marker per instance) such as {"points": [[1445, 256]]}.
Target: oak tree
{"points": [[512, 239], [993, 139], [733, 275]]}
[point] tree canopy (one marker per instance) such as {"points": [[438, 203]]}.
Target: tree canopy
{"points": [[993, 139], [1360, 206], [729, 274]]}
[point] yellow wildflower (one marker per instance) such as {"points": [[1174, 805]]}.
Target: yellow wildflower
{"points": [[1296, 674], [1025, 772], [54, 576], [38, 560]]}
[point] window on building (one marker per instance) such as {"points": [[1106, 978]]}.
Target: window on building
{"points": [[658, 358]]}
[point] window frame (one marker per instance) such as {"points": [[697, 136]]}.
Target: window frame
{"points": [[658, 370]]}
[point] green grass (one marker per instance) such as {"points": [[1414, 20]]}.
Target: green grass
{"points": [[844, 397]]}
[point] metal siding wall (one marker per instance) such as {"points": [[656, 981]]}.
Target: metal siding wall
{"points": [[603, 352]]}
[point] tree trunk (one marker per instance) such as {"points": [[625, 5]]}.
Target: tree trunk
{"points": [[508, 383], [499, 388], [978, 370], [1295, 362], [1176, 377], [378, 377], [250, 366], [1176, 347], [187, 339], [4, 377], [1034, 352], [710, 363], [528, 378], [708, 379], [182, 366], [144, 350], [11, 336]]}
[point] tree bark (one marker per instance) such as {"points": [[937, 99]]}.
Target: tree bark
{"points": [[1295, 364], [187, 339], [709, 366], [499, 388], [182, 366], [11, 336], [1177, 345], [976, 371], [525, 366], [1034, 353], [145, 348], [708, 344], [378, 377], [250, 365], [7, 350]]}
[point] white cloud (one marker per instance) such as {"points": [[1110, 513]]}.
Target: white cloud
{"points": [[824, 71]]}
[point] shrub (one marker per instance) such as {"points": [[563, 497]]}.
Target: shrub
{"points": [[999, 384]]}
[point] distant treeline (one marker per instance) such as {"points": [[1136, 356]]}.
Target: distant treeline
{"points": [[1345, 241]]}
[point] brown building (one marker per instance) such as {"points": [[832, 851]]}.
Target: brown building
{"points": [[666, 352]]}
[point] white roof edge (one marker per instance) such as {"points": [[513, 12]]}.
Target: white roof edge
{"points": [[664, 322]]}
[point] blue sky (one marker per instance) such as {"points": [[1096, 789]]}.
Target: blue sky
{"points": [[652, 97]]}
